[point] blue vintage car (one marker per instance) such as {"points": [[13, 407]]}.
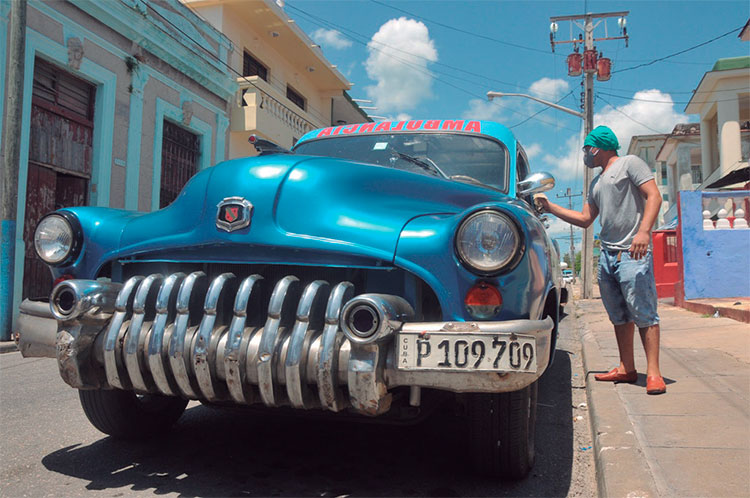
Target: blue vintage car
{"points": [[377, 269]]}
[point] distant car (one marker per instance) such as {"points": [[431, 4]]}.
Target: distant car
{"points": [[378, 270], [568, 276]]}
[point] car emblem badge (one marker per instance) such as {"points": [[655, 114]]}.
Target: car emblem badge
{"points": [[233, 213]]}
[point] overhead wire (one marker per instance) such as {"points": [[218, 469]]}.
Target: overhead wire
{"points": [[668, 102], [628, 116], [459, 30], [660, 59], [321, 22]]}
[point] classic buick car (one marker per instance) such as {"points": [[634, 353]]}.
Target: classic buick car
{"points": [[378, 269]]}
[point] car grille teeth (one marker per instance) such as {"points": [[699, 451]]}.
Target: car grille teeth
{"points": [[298, 357]]}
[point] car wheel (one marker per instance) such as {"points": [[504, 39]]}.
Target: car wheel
{"points": [[501, 432], [126, 415]]}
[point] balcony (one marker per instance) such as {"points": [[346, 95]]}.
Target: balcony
{"points": [[268, 113]]}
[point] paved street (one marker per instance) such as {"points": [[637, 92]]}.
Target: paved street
{"points": [[48, 448]]}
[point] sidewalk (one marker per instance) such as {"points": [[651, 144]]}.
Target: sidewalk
{"points": [[692, 441]]}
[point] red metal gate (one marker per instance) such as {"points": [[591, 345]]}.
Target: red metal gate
{"points": [[179, 161], [60, 152]]}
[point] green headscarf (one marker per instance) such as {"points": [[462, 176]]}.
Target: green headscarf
{"points": [[603, 138]]}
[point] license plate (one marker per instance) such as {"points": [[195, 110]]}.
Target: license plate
{"points": [[466, 352]]}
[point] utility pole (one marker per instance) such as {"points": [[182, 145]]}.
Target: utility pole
{"points": [[9, 172], [570, 196], [592, 64]]}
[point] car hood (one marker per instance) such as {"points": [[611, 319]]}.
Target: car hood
{"points": [[300, 204]]}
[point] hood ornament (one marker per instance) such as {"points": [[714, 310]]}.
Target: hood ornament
{"points": [[233, 213]]}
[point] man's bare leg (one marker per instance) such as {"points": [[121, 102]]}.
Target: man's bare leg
{"points": [[650, 340], [624, 334]]}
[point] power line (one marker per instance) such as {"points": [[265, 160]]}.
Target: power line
{"points": [[670, 102], [541, 111], [678, 53], [628, 116], [459, 30]]}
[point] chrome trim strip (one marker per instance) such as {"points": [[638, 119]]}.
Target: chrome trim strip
{"points": [[234, 362], [177, 341], [155, 344], [133, 336], [310, 310], [112, 366], [270, 338], [331, 396], [200, 358]]}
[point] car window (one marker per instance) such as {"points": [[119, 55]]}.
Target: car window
{"points": [[522, 169], [457, 156]]}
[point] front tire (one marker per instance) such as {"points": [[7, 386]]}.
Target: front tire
{"points": [[501, 432], [125, 415]]}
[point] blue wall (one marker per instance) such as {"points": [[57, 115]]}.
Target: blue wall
{"points": [[716, 263]]}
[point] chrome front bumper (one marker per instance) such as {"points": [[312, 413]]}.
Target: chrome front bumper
{"points": [[146, 339]]}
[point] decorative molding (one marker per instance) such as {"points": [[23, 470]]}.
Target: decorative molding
{"points": [[75, 53]]}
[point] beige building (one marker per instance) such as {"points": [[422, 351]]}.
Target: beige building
{"points": [[722, 100], [286, 85]]}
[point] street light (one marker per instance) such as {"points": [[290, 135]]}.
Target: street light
{"points": [[493, 95]]}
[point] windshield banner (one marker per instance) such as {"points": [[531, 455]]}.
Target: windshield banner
{"points": [[414, 125]]}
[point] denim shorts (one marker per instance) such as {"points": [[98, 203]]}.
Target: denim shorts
{"points": [[628, 288]]}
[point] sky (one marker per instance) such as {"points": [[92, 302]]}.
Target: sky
{"points": [[438, 59]]}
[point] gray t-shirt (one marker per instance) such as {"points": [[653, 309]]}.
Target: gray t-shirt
{"points": [[617, 195]]}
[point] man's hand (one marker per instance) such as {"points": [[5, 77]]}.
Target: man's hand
{"points": [[639, 247], [541, 203]]}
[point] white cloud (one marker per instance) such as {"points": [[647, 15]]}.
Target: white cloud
{"points": [[548, 88], [399, 54], [330, 38], [482, 109], [650, 112], [402, 116], [560, 231], [533, 150]]}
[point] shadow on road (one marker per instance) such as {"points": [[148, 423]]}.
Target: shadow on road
{"points": [[225, 453]]}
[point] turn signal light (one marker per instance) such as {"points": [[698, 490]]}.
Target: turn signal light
{"points": [[62, 279], [483, 301]]}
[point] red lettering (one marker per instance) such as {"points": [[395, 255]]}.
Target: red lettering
{"points": [[325, 132], [337, 130], [384, 126], [449, 124], [399, 126], [350, 129], [432, 124], [474, 126], [367, 127], [414, 125]]}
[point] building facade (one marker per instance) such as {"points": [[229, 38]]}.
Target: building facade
{"points": [[286, 87], [123, 101]]}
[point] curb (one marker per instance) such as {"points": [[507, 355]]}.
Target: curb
{"points": [[740, 315], [621, 468], [8, 347]]}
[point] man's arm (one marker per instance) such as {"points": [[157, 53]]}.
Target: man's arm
{"points": [[650, 191], [582, 219]]}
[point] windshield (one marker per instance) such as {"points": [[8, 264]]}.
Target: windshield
{"points": [[466, 158]]}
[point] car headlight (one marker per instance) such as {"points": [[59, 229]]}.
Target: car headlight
{"points": [[488, 242], [56, 238]]}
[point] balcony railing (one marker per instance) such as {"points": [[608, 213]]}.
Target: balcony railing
{"points": [[260, 108]]}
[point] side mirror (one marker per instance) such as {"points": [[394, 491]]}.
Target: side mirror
{"points": [[535, 183]]}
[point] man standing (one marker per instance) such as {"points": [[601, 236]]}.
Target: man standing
{"points": [[628, 200]]}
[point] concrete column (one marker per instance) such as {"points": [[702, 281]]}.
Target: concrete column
{"points": [[728, 117], [707, 144]]}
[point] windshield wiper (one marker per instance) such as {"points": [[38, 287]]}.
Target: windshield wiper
{"points": [[427, 166]]}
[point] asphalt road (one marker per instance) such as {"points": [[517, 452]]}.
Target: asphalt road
{"points": [[48, 448]]}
